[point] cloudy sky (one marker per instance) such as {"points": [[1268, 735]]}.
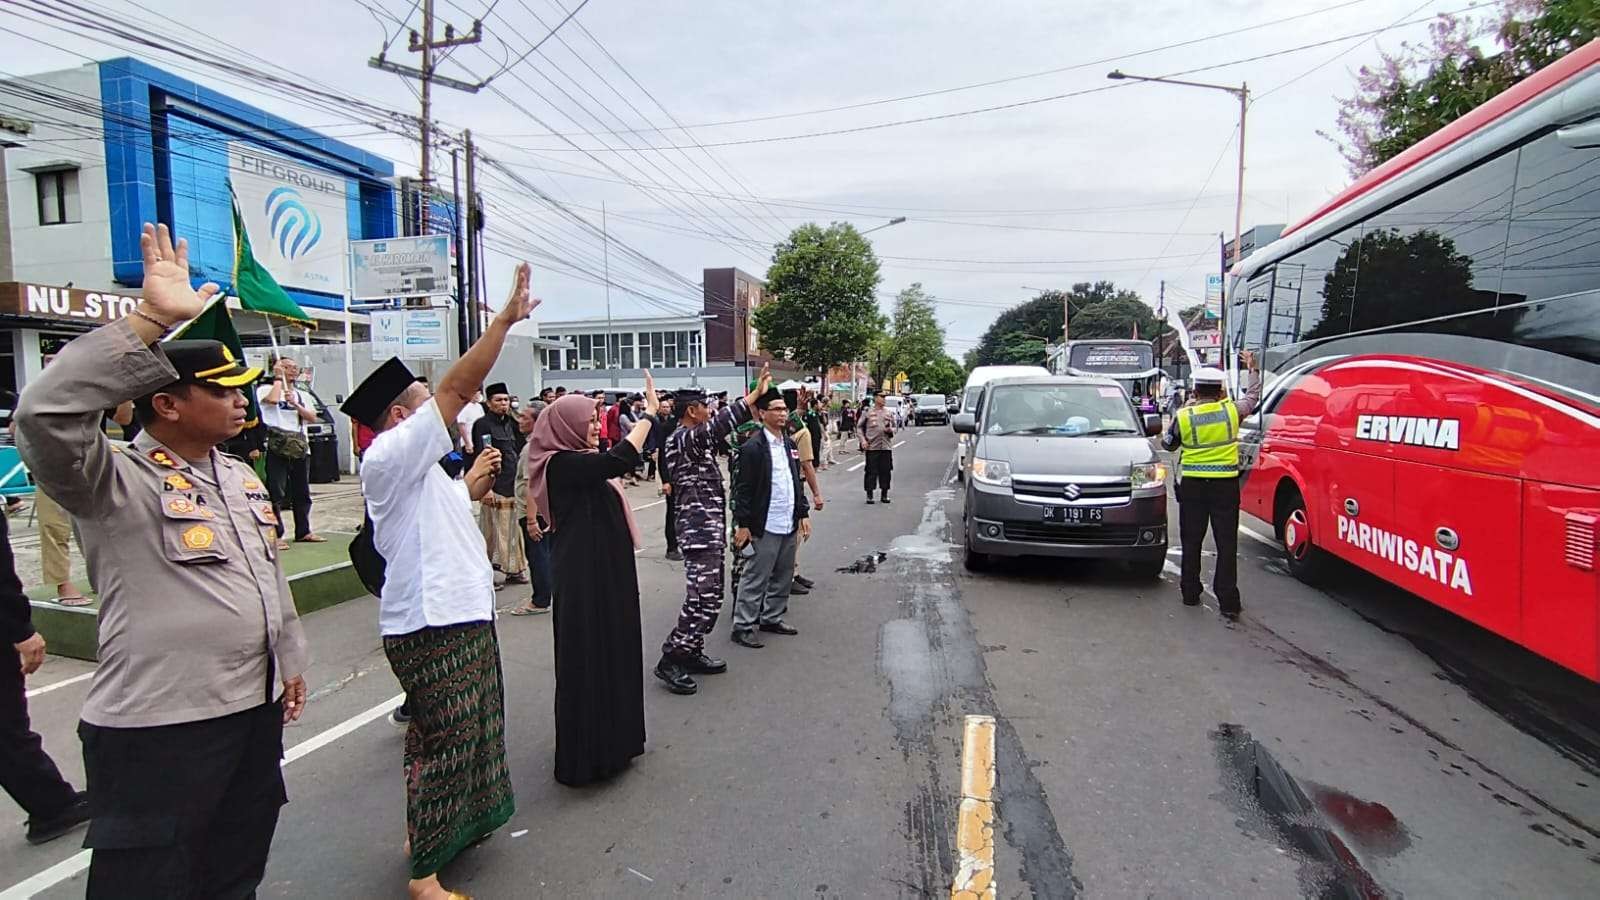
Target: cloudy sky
{"points": [[805, 112]]}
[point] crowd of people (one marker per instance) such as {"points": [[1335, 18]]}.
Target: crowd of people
{"points": [[466, 491]]}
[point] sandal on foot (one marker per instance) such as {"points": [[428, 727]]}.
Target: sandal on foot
{"points": [[75, 600], [529, 611]]}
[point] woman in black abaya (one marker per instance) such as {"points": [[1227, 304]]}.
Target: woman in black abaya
{"points": [[599, 668]]}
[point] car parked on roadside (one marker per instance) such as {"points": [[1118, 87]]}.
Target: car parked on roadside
{"points": [[1063, 466], [927, 408]]}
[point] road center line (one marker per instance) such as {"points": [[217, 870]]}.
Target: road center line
{"points": [[897, 446], [78, 862], [975, 820], [59, 684], [648, 505], [1260, 539], [856, 466]]}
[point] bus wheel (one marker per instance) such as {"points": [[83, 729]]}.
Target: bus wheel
{"points": [[1306, 561]]}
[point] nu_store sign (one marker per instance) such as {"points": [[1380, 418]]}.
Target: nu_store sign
{"points": [[297, 217]]}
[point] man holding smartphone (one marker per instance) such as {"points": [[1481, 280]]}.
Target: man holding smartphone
{"points": [[285, 410], [497, 515]]}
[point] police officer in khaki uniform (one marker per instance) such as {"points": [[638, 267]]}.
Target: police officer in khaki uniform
{"points": [[201, 650]]}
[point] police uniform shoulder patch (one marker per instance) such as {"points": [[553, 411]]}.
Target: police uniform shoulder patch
{"points": [[181, 505], [198, 537], [251, 484], [176, 482], [162, 458]]}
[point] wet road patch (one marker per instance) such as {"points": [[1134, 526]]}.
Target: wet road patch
{"points": [[1271, 804]]}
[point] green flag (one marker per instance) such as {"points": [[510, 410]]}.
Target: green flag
{"points": [[255, 287], [215, 324]]}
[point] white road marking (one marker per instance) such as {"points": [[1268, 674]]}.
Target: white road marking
{"points": [[897, 446], [78, 862], [919, 434], [648, 505], [856, 466], [1251, 534], [59, 684], [641, 875], [1171, 569]]}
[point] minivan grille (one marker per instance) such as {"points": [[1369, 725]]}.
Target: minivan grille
{"points": [[1112, 493]]}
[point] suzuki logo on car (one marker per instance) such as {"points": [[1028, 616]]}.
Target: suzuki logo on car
{"points": [[1072, 491]]}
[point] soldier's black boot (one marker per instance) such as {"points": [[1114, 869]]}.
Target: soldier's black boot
{"points": [[673, 674], [883, 497], [701, 664]]}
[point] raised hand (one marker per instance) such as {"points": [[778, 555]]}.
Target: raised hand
{"points": [[519, 305], [168, 295], [652, 401]]}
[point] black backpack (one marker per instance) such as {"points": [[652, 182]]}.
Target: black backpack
{"points": [[369, 564]]}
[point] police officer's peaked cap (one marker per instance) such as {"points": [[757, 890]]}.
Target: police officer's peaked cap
{"points": [[687, 396], [499, 387], [1209, 375], [208, 362], [371, 399], [765, 400]]}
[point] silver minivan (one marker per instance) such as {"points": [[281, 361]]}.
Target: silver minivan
{"points": [[1063, 466]]}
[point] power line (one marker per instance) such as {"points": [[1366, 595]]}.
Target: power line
{"points": [[536, 46]]}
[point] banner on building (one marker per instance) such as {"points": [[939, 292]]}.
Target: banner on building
{"points": [[400, 267], [386, 334], [1213, 296], [410, 334], [297, 217]]}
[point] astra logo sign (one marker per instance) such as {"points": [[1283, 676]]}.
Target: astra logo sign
{"points": [[1441, 434], [295, 228], [1446, 568]]}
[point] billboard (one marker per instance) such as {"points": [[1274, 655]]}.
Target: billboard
{"points": [[297, 217], [1213, 296], [400, 267]]}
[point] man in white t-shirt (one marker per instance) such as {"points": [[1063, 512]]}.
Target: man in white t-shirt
{"points": [[436, 609], [468, 417], [285, 410]]}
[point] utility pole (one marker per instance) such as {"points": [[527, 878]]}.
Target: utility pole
{"points": [[474, 220], [425, 44], [605, 239], [456, 230], [1161, 327]]}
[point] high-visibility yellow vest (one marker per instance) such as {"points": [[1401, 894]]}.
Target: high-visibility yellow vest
{"points": [[1210, 435]]}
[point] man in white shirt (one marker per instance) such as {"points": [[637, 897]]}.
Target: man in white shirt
{"points": [[770, 518], [436, 610], [285, 410]]}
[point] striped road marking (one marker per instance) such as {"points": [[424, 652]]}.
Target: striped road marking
{"points": [[76, 863], [34, 692], [975, 822], [1258, 538], [898, 445], [856, 466]]}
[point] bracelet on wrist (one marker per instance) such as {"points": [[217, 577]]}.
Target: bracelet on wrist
{"points": [[151, 319]]}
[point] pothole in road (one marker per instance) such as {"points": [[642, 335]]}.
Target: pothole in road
{"points": [[1269, 799]]}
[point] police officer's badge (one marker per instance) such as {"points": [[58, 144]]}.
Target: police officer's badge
{"points": [[198, 537], [161, 458], [178, 483], [180, 506]]}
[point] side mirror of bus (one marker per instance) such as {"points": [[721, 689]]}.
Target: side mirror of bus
{"points": [[1152, 425], [964, 423]]}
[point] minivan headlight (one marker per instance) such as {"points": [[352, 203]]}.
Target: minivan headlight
{"points": [[1149, 475], [992, 471]]}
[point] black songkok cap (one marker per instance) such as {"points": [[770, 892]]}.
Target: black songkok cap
{"points": [[683, 398], [371, 399], [771, 396], [499, 387]]}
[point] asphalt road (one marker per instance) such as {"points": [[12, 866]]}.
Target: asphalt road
{"points": [[1348, 741]]}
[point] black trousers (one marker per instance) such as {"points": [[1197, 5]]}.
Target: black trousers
{"points": [[289, 484], [1213, 502], [183, 811], [27, 773], [672, 524], [540, 568], [880, 465]]}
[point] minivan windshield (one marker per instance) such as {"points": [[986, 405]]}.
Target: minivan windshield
{"points": [[1059, 410], [928, 400]]}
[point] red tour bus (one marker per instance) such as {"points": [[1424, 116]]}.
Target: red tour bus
{"points": [[1431, 346]]}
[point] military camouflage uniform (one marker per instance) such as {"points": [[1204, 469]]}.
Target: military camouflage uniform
{"points": [[699, 496]]}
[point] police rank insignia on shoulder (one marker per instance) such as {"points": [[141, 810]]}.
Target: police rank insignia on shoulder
{"points": [[181, 505], [198, 537], [177, 482], [161, 458], [251, 484]]}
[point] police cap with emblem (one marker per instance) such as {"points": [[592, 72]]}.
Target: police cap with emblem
{"points": [[208, 362], [371, 399]]}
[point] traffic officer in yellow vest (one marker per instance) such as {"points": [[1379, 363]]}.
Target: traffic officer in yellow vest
{"points": [[1207, 430]]}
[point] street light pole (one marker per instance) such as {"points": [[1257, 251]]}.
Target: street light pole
{"points": [[894, 221], [1242, 92]]}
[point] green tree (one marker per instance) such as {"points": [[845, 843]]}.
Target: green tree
{"points": [[915, 340], [1412, 93], [1018, 335], [942, 375], [824, 311]]}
